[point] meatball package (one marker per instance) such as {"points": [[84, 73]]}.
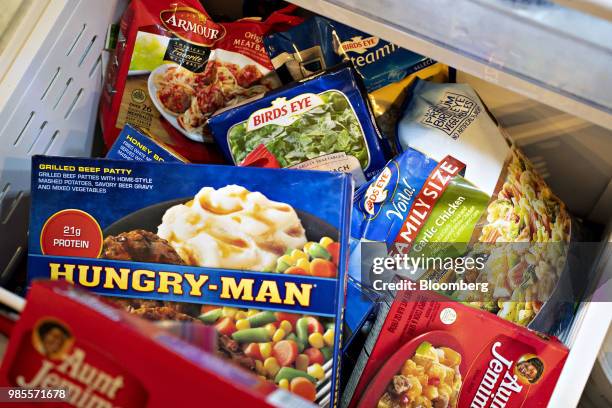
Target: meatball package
{"points": [[174, 66], [460, 189], [423, 352], [258, 254], [320, 123]]}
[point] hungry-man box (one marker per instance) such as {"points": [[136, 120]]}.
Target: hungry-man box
{"points": [[258, 253], [137, 144]]}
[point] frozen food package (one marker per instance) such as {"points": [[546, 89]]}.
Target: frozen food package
{"points": [[320, 123], [387, 70], [387, 102], [422, 352], [138, 144], [319, 43], [461, 189], [73, 349], [173, 67], [258, 254]]}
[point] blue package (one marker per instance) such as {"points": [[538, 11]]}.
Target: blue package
{"points": [[135, 144], [360, 306], [184, 242], [321, 123], [319, 43]]}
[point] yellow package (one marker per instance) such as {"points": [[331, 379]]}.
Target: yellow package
{"points": [[387, 101]]}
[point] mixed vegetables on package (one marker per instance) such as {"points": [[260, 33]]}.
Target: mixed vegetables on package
{"points": [[174, 66], [321, 123], [423, 352], [459, 182], [259, 254]]}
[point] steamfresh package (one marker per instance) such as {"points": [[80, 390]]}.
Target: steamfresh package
{"points": [[137, 144], [460, 189], [319, 43], [321, 123], [259, 254], [386, 69]]}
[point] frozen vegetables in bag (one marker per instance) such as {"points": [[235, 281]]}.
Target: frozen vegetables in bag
{"points": [[458, 181], [322, 123], [319, 43], [385, 68]]}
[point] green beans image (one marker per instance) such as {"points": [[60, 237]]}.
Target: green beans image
{"points": [[261, 319], [256, 335]]}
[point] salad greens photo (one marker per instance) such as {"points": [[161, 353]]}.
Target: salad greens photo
{"points": [[329, 128]]}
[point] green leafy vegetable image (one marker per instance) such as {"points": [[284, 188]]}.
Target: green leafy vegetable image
{"points": [[328, 128], [148, 53]]}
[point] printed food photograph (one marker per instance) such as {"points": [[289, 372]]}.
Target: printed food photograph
{"points": [[525, 240], [305, 204], [431, 378], [234, 228]]}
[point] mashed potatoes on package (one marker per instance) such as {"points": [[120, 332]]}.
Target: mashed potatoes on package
{"points": [[232, 228]]}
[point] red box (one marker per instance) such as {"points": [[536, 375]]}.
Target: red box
{"points": [[105, 357], [499, 365]]}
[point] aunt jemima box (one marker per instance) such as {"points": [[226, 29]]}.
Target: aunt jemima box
{"points": [[428, 351], [260, 254], [73, 350]]}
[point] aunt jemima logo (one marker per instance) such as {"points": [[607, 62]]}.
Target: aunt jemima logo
{"points": [[191, 25], [66, 367], [500, 381]]}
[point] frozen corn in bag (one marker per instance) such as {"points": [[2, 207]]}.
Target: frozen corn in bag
{"points": [[459, 180]]}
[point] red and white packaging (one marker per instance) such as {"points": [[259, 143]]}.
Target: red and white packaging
{"points": [[105, 357], [492, 362], [174, 67]]}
